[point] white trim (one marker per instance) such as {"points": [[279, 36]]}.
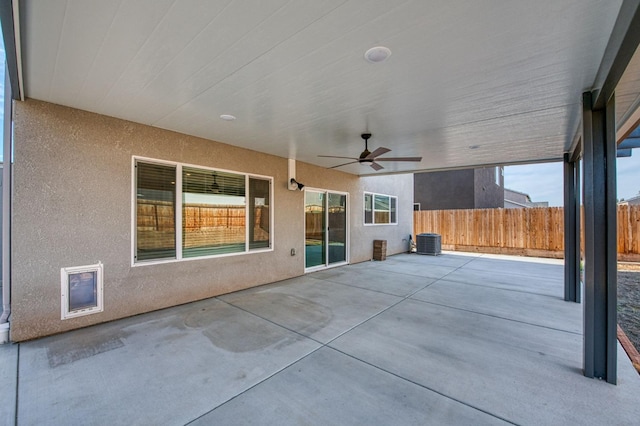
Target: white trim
{"points": [[291, 175], [272, 223], [134, 212], [16, 36], [65, 312], [346, 229], [187, 259], [178, 212], [247, 223], [271, 215], [347, 248], [198, 166], [304, 231], [7, 204], [373, 209]]}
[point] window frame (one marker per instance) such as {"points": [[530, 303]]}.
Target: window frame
{"points": [[178, 229], [373, 209]]}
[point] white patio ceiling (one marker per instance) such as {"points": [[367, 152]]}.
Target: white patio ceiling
{"points": [[468, 82]]}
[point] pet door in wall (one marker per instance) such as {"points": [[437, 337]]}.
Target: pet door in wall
{"points": [[81, 290]]}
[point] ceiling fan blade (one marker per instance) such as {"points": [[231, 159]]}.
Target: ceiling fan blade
{"points": [[335, 156], [400, 159], [377, 152], [345, 164], [376, 166]]}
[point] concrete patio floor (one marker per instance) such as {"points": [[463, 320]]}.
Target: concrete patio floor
{"points": [[456, 339]]}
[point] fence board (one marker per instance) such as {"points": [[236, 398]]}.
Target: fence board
{"points": [[536, 231]]}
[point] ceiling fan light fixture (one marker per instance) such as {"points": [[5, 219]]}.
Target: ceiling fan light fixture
{"points": [[368, 158], [377, 54]]}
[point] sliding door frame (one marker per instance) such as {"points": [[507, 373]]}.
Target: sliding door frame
{"points": [[325, 230]]}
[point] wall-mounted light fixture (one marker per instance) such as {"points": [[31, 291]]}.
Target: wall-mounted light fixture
{"points": [[293, 184]]}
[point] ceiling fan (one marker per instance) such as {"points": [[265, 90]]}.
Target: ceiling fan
{"points": [[371, 157]]}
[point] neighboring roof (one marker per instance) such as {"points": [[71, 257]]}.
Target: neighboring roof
{"points": [[294, 75], [513, 191], [633, 200], [511, 203], [517, 199]]}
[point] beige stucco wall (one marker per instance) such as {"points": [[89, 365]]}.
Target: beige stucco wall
{"points": [[72, 207]]}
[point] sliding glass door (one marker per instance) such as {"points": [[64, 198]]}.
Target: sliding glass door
{"points": [[337, 229], [314, 225], [325, 228]]}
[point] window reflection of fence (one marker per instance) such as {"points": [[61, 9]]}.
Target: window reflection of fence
{"points": [[159, 216], [534, 232], [197, 217], [314, 223], [155, 216], [203, 224]]}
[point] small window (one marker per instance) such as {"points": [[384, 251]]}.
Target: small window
{"points": [[380, 209], [81, 289], [416, 207]]}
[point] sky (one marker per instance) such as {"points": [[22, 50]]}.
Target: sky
{"points": [[545, 182]]}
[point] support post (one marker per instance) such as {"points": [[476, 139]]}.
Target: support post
{"points": [[600, 299], [571, 230]]}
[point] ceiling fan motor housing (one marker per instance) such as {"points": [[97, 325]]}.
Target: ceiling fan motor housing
{"points": [[366, 152]]}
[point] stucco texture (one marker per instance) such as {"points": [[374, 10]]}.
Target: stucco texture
{"points": [[72, 207]]}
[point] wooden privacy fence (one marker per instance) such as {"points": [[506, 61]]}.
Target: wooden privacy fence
{"points": [[314, 225], [529, 232], [159, 216], [202, 224]]}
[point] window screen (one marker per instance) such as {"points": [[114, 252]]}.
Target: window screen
{"points": [[381, 209], [259, 217], [368, 208], [155, 211], [213, 212]]}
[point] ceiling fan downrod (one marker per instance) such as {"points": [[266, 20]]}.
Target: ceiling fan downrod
{"points": [[366, 152]]}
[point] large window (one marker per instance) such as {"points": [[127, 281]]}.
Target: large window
{"points": [[380, 209], [219, 212]]}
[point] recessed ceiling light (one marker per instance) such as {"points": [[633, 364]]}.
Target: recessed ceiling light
{"points": [[227, 117], [377, 54]]}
